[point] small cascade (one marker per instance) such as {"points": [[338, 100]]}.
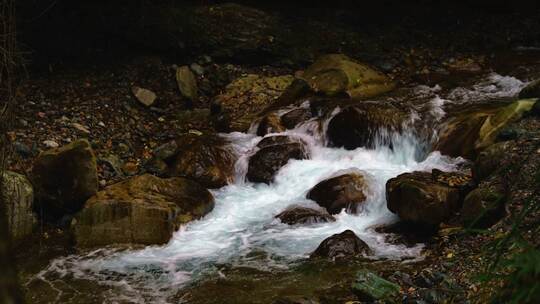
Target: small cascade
{"points": [[242, 230]]}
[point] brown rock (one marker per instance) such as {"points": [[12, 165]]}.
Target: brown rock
{"points": [[64, 178], [205, 159], [341, 246], [302, 215], [341, 192], [268, 160], [141, 210]]}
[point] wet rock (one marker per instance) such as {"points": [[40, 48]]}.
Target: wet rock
{"points": [[205, 159], [247, 96], [302, 215], [64, 178], [18, 197], [341, 192], [468, 132], [370, 287], [144, 96], [141, 210], [337, 74], [273, 154], [485, 205], [364, 124], [294, 117], [277, 140], [532, 90], [340, 246], [426, 198], [270, 123], [187, 83]]}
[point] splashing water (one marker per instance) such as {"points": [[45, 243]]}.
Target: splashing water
{"points": [[493, 87], [242, 230]]}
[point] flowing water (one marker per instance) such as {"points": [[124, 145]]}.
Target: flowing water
{"points": [[242, 230]]}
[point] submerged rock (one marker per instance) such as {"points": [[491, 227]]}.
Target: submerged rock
{"points": [[266, 162], [362, 125], [18, 197], [370, 287], [336, 74], [64, 178], [468, 132], [247, 96], [426, 198], [340, 246], [341, 192], [205, 159], [141, 210], [302, 215]]}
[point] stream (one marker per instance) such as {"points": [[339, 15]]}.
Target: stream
{"points": [[242, 230]]}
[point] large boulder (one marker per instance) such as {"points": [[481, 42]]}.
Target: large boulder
{"points": [[301, 215], [274, 152], [468, 132], [370, 287], [64, 178], [247, 96], [345, 191], [18, 197], [365, 124], [340, 246], [337, 74], [141, 210], [425, 198], [204, 158]]}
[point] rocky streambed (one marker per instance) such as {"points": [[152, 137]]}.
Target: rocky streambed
{"points": [[314, 189]]}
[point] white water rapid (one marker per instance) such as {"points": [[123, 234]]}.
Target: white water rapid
{"points": [[242, 230]]}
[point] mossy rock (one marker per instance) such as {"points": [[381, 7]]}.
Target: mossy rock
{"points": [[336, 74], [141, 210], [18, 197], [484, 206], [247, 96], [470, 131], [370, 287], [64, 178]]}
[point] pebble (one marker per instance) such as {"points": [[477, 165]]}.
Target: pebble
{"points": [[80, 127], [50, 144], [144, 96], [101, 124]]}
